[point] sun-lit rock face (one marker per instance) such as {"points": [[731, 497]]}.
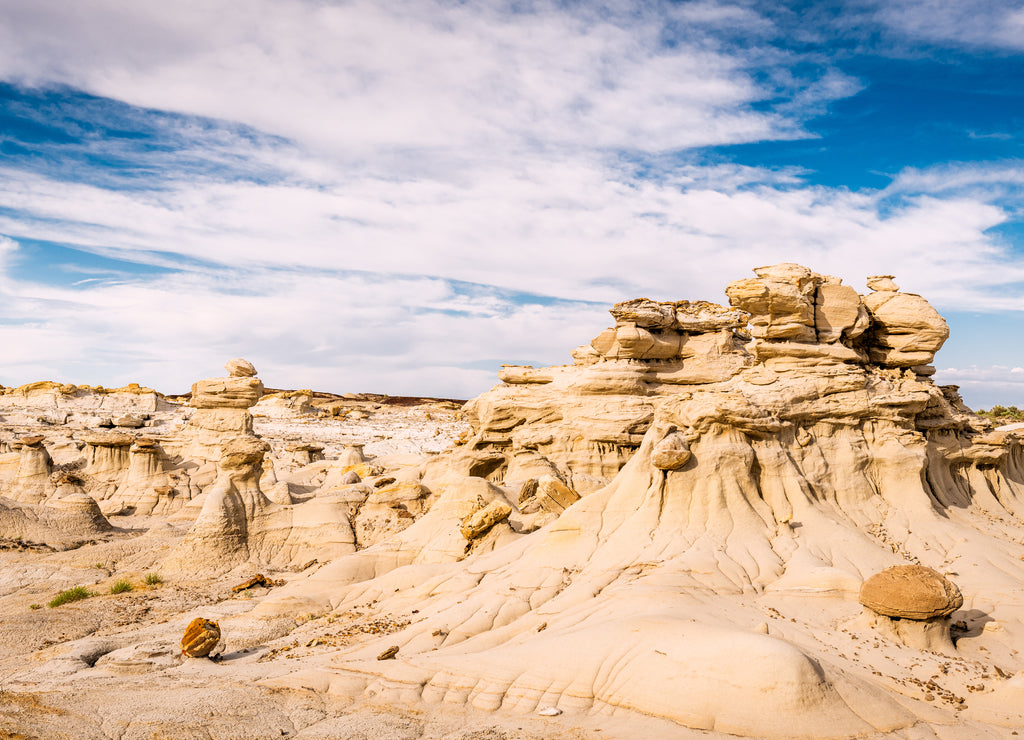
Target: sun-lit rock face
{"points": [[589, 418], [222, 410]]}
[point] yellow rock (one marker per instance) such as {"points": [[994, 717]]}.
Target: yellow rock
{"points": [[201, 636], [363, 469]]}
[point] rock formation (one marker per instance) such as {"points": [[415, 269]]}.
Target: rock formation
{"points": [[32, 481], [222, 410], [678, 525], [912, 604], [588, 419], [798, 458]]}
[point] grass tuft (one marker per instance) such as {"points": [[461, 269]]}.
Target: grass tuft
{"points": [[121, 586], [154, 579], [72, 594], [35, 606]]}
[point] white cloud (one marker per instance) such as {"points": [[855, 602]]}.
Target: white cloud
{"points": [[971, 23], [334, 332], [431, 142], [352, 78]]}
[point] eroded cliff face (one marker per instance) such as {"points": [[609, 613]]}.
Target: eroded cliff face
{"points": [[797, 354]]}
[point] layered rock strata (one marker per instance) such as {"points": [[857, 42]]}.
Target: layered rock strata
{"points": [[589, 418]]}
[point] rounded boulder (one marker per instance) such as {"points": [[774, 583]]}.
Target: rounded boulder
{"points": [[910, 592]]}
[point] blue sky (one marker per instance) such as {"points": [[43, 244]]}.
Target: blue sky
{"points": [[398, 197]]}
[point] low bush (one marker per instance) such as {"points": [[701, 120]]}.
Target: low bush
{"points": [[119, 587], [72, 594]]}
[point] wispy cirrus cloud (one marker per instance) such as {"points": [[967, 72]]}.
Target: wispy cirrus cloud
{"points": [[960, 23]]}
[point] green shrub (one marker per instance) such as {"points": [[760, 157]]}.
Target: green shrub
{"points": [[35, 606], [119, 587], [154, 579], [72, 594]]}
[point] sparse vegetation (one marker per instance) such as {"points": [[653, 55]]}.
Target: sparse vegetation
{"points": [[99, 566], [35, 606], [154, 579], [1003, 414], [121, 586], [72, 594]]}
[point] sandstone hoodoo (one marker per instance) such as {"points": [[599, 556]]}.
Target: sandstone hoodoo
{"points": [[913, 604], [673, 530]]}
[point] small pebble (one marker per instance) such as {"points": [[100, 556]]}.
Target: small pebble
{"points": [[550, 712]]}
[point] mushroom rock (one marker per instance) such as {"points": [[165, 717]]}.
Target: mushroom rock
{"points": [[912, 604], [222, 412], [32, 479], [144, 475], [352, 455], [302, 453], [220, 535], [239, 524]]}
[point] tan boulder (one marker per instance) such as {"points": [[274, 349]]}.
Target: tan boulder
{"points": [[838, 313], [232, 392], [480, 522], [553, 495], [910, 592], [697, 317], [906, 330], [780, 302], [671, 453], [882, 283], [645, 313], [239, 368]]}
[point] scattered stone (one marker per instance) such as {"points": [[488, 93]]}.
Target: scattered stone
{"points": [[257, 580], [200, 637], [479, 523], [389, 654]]}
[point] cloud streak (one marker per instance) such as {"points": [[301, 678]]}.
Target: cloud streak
{"points": [[360, 195]]}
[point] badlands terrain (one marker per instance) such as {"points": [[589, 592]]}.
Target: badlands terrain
{"points": [[761, 520]]}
